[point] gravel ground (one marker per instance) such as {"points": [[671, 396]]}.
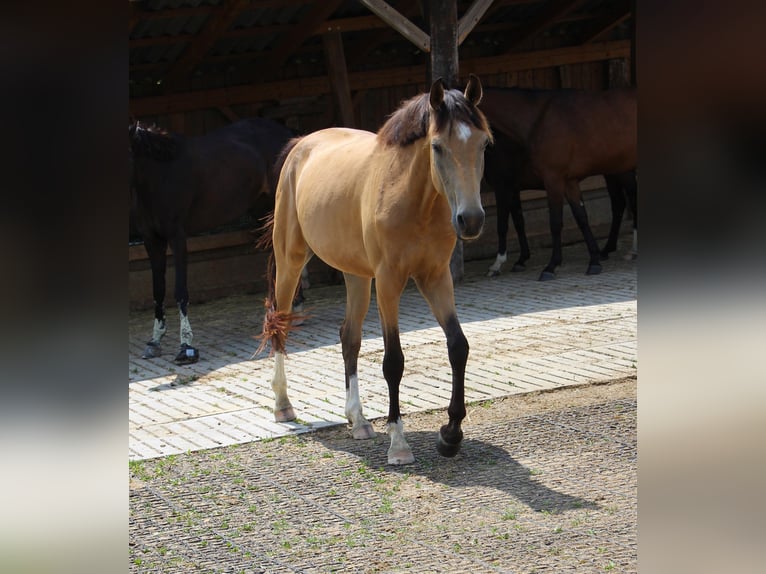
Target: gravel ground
{"points": [[544, 482]]}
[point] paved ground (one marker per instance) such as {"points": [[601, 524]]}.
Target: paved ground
{"points": [[544, 481], [524, 336]]}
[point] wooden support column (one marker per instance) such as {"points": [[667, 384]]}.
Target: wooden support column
{"points": [[336, 67], [441, 16]]}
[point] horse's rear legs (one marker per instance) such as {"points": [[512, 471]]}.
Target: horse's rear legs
{"points": [[155, 249], [357, 304]]}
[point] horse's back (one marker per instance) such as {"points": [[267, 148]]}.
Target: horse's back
{"points": [[322, 188], [589, 133]]}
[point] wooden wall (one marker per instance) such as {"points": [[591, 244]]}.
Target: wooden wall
{"points": [[217, 270]]}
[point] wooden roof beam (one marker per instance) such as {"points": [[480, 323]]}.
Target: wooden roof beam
{"points": [[399, 22], [471, 18], [196, 50], [299, 33], [619, 13], [247, 94], [551, 13]]}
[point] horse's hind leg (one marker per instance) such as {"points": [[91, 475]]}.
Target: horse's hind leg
{"points": [[155, 248], [288, 274], [631, 189], [388, 290], [357, 303], [439, 292], [187, 354], [617, 202]]}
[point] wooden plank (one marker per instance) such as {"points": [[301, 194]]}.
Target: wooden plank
{"points": [[248, 94], [202, 243], [471, 18], [336, 66], [398, 22]]}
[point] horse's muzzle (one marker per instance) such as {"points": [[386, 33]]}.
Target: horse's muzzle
{"points": [[469, 224]]}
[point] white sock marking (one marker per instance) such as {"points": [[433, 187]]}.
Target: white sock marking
{"points": [[499, 260]]}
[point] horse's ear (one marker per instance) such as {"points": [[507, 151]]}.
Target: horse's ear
{"points": [[473, 91], [437, 94]]}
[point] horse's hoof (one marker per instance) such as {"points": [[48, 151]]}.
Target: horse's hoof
{"points": [[187, 355], [285, 415], [604, 255], [547, 276], [593, 269], [363, 432], [447, 449], [493, 273], [152, 350], [400, 456], [518, 267]]}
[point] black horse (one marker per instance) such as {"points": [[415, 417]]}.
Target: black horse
{"points": [[507, 171], [183, 186], [551, 140]]}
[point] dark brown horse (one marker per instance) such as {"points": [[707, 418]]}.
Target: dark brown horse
{"points": [[552, 139], [184, 186], [388, 206]]}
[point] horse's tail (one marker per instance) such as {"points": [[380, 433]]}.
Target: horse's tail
{"points": [[277, 323]]}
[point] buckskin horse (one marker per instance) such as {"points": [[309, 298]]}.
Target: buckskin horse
{"points": [[184, 186], [387, 206], [552, 139]]}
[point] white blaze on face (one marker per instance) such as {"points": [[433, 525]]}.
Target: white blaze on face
{"points": [[463, 131]]}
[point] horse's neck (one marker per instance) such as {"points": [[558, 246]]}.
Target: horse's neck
{"points": [[418, 192]]}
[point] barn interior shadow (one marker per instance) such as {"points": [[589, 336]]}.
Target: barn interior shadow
{"points": [[478, 464]]}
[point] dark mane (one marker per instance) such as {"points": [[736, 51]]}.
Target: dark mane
{"points": [[410, 122], [152, 141]]}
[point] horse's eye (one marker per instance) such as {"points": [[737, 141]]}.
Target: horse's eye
{"points": [[436, 147]]}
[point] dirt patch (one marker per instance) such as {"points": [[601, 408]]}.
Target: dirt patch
{"points": [[544, 482]]}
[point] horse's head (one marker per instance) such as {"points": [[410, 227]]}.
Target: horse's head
{"points": [[458, 134]]}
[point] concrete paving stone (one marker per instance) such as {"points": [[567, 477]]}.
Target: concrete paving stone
{"points": [[524, 335]]}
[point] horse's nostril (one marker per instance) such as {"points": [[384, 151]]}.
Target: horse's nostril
{"points": [[460, 220]]}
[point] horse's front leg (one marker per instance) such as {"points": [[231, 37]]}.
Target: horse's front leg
{"points": [[357, 304], [517, 214], [155, 249], [439, 292], [187, 354], [503, 207], [388, 291]]}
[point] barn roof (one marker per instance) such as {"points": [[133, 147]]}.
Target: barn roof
{"points": [[196, 54]]}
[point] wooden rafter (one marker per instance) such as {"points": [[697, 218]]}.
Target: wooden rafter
{"points": [[550, 14], [616, 16], [196, 50], [360, 50], [287, 43], [248, 94], [399, 22], [471, 17]]}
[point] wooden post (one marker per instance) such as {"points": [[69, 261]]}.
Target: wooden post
{"points": [[441, 16], [336, 68]]}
